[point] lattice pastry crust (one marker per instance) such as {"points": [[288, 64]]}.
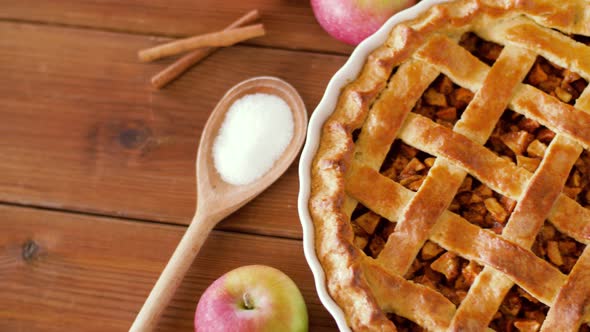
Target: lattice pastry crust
{"points": [[345, 171]]}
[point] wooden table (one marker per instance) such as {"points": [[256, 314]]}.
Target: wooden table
{"points": [[97, 178]]}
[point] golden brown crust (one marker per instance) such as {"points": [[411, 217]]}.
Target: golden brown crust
{"points": [[570, 309], [419, 303], [499, 174], [344, 172]]}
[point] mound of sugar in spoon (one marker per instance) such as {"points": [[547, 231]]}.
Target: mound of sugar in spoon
{"points": [[256, 130]]}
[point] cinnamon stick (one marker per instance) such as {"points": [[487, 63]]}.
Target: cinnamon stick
{"points": [[214, 39], [176, 69]]}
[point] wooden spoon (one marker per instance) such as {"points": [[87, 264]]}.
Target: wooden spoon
{"points": [[217, 199]]}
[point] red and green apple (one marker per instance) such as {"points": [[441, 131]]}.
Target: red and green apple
{"points": [[351, 21], [252, 298]]}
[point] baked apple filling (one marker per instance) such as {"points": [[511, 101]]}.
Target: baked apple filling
{"points": [[561, 83], [443, 101], [519, 312], [406, 165], [370, 230], [403, 324], [484, 50]]}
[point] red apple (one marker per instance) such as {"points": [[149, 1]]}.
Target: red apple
{"points": [[351, 21], [252, 298]]}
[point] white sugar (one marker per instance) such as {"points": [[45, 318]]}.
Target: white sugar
{"points": [[256, 130]]}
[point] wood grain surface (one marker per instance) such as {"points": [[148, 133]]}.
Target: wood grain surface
{"points": [[66, 272], [83, 130], [97, 168], [290, 24]]}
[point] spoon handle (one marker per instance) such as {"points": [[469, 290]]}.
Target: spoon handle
{"points": [[174, 272]]}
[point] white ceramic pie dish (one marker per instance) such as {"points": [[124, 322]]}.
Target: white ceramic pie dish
{"points": [[346, 74]]}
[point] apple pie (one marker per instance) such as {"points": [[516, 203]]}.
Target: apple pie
{"points": [[451, 183]]}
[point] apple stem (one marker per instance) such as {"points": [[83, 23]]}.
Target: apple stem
{"points": [[248, 305]]}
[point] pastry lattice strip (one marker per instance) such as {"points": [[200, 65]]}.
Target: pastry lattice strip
{"points": [[561, 141]]}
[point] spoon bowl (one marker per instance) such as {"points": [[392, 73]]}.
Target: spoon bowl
{"points": [[210, 185], [216, 199]]}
